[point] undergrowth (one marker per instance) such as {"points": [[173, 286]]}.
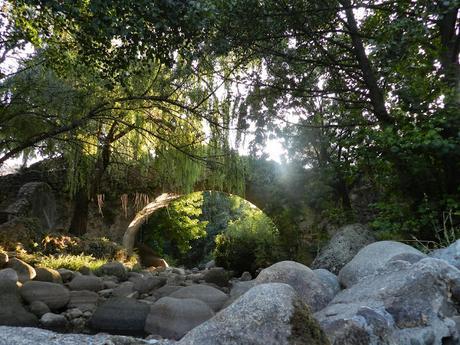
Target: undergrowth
{"points": [[71, 262], [446, 233]]}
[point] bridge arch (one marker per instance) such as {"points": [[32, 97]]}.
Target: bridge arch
{"points": [[163, 200]]}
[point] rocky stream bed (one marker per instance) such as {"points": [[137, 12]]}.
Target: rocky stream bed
{"points": [[382, 293]]}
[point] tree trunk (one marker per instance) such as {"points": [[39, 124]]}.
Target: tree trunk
{"points": [[78, 225], [450, 41], [343, 192], [375, 92]]}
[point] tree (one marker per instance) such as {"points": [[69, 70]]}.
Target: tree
{"points": [[377, 63], [388, 71], [152, 118]]}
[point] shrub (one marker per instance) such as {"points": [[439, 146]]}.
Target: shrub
{"points": [[57, 244], [425, 222], [248, 243], [103, 248], [98, 247]]}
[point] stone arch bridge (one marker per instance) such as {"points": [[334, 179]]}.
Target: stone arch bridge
{"points": [[163, 200]]}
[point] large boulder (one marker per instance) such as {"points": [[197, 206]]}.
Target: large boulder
{"points": [[83, 300], [3, 258], [149, 258], [90, 283], [218, 276], [48, 275], [375, 256], [24, 270], [239, 288], [343, 246], [12, 313], [165, 290], [311, 289], [34, 336], [9, 274], [120, 315], [55, 296], [67, 275], [213, 297], [146, 284], [114, 268], [402, 303], [54, 321], [451, 254], [39, 308], [173, 317], [268, 314], [328, 278], [125, 289]]}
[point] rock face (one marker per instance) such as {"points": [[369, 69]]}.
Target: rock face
{"points": [[90, 283], [240, 288], [372, 257], [34, 336], [311, 289], [25, 271], [343, 246], [450, 254], [402, 303], [120, 315], [268, 314], [173, 317], [214, 298], [55, 296], [35, 199], [12, 313]]}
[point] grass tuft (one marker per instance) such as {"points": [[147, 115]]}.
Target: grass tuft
{"points": [[71, 262]]}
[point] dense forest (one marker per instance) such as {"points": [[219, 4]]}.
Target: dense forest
{"points": [[153, 96]]}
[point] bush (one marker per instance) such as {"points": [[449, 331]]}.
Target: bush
{"points": [[98, 247], [424, 221], [248, 243], [171, 229]]}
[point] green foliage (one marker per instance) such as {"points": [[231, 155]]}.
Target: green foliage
{"points": [[199, 225], [109, 36], [97, 247], [375, 99], [427, 222], [249, 243], [217, 211], [71, 262], [173, 228]]}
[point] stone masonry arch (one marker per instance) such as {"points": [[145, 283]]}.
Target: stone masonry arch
{"points": [[129, 237]]}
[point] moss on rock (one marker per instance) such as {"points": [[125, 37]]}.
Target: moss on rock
{"points": [[305, 329]]}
